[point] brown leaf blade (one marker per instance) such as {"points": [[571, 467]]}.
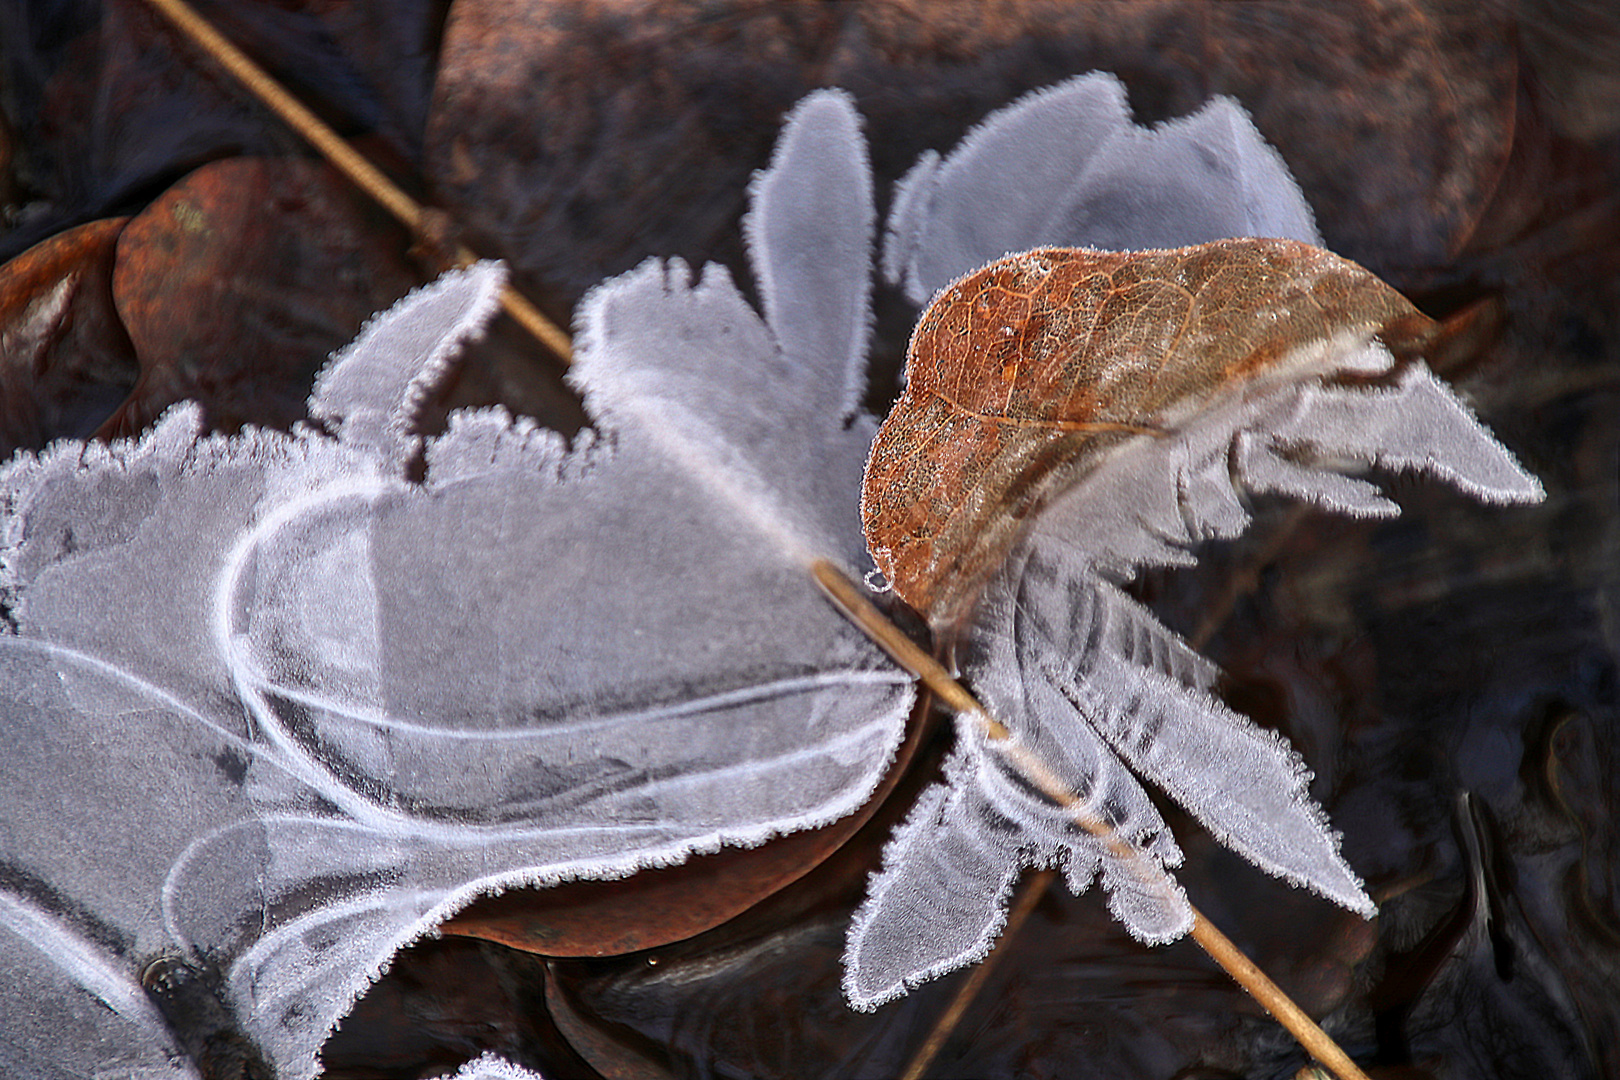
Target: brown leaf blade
{"points": [[239, 281], [65, 361], [1024, 374]]}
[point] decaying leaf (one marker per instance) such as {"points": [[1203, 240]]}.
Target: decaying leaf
{"points": [[274, 251], [1025, 375], [65, 360]]}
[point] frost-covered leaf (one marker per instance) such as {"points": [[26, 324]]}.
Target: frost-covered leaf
{"points": [[1066, 167], [275, 708], [1072, 416]]}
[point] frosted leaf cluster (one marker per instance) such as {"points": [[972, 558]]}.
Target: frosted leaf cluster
{"points": [[274, 708], [1091, 684]]}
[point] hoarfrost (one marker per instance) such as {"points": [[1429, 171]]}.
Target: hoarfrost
{"points": [[1087, 681]]}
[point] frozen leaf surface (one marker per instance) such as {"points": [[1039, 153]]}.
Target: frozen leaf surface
{"points": [[1073, 416], [275, 708], [1067, 167]]}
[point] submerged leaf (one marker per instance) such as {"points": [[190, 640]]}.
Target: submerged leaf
{"points": [[65, 361], [279, 247]]}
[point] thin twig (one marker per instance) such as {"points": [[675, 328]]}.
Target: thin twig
{"points": [[366, 176], [847, 596]]}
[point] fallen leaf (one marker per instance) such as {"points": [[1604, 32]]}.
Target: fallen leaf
{"points": [[239, 282], [1023, 376], [65, 361], [110, 102], [666, 904]]}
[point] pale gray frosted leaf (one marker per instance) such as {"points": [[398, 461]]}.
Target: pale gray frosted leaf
{"points": [[913, 194], [362, 701], [1208, 176], [809, 234], [373, 388], [73, 1010], [1145, 692], [1098, 690], [1418, 425], [996, 191], [1066, 167], [940, 899]]}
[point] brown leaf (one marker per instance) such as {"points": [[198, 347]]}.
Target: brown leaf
{"points": [[1023, 374], [65, 362], [239, 282], [109, 100]]}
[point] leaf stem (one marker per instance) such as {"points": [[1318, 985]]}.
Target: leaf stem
{"points": [[849, 600], [905, 652], [422, 222]]}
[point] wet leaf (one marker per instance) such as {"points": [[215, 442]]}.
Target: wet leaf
{"points": [[667, 904], [110, 102], [66, 363]]}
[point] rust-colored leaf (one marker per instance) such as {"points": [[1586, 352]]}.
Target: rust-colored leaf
{"points": [[65, 361], [238, 282], [1023, 374]]}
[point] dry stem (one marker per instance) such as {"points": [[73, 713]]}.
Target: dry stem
{"points": [[349, 161]]}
